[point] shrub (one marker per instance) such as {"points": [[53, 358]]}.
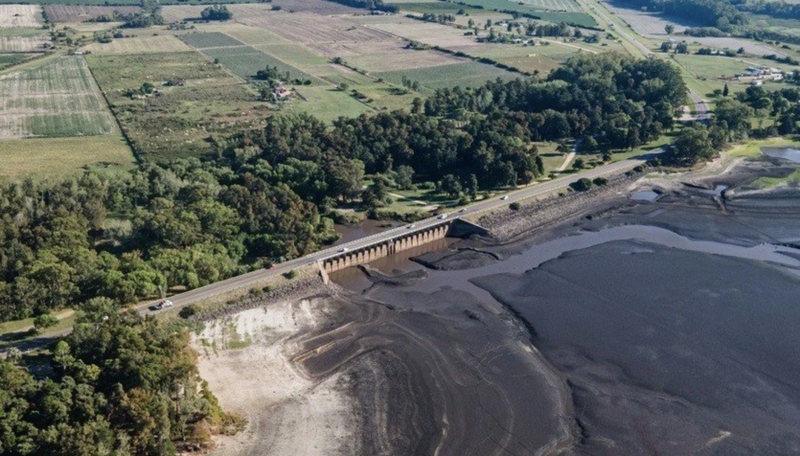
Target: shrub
{"points": [[514, 206], [44, 321], [581, 185], [291, 274], [188, 311], [600, 181]]}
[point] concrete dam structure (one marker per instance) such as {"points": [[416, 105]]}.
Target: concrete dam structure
{"points": [[403, 241]]}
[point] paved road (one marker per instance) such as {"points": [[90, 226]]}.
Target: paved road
{"points": [[482, 206], [246, 280], [702, 111]]}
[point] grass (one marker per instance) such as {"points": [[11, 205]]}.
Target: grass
{"points": [[792, 179], [467, 74], [7, 60], [576, 17], [59, 157], [246, 61], [752, 149], [327, 103], [180, 120], [209, 40], [56, 97]]}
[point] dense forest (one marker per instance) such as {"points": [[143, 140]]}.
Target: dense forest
{"points": [[617, 101], [269, 196], [119, 385]]}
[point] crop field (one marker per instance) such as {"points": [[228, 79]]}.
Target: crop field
{"points": [[20, 16], [327, 103], [209, 40], [572, 15], [467, 74], [245, 61], [252, 35], [180, 120], [58, 98], [311, 28], [645, 23], [58, 157], [437, 8], [140, 45], [11, 43], [7, 60], [555, 5], [295, 55], [428, 33], [402, 59], [81, 13]]}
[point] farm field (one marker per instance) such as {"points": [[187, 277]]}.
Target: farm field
{"points": [[140, 45], [81, 13], [58, 157], [57, 98], [8, 60], [467, 74], [244, 10], [571, 16], [246, 61], [20, 16], [311, 29], [327, 103], [181, 120], [16, 43]]}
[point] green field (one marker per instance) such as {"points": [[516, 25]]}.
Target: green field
{"points": [[327, 103], [467, 74], [209, 40], [7, 60], [437, 8], [58, 157], [179, 121], [245, 61], [56, 98]]}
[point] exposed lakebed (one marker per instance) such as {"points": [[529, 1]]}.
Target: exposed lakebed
{"points": [[664, 326], [670, 325]]}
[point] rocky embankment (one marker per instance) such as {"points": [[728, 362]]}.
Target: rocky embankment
{"points": [[508, 225]]}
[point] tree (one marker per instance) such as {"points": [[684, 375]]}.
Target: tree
{"points": [[725, 90], [669, 28], [581, 185], [693, 145], [44, 321], [216, 13]]}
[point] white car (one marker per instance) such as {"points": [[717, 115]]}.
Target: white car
{"points": [[504, 198], [463, 209], [443, 216], [167, 303], [344, 249], [411, 226]]}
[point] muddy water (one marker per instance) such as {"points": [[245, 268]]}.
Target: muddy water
{"points": [[670, 328], [366, 228]]}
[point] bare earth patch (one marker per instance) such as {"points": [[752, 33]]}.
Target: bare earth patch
{"points": [[18, 16], [288, 412]]}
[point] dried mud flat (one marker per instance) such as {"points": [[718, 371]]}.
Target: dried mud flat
{"points": [[633, 327]]}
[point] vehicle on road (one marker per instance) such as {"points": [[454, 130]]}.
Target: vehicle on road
{"points": [[161, 305], [344, 249], [463, 209], [443, 216], [504, 198], [410, 226]]}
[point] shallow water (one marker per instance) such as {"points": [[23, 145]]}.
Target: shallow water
{"points": [[645, 195], [787, 153]]}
